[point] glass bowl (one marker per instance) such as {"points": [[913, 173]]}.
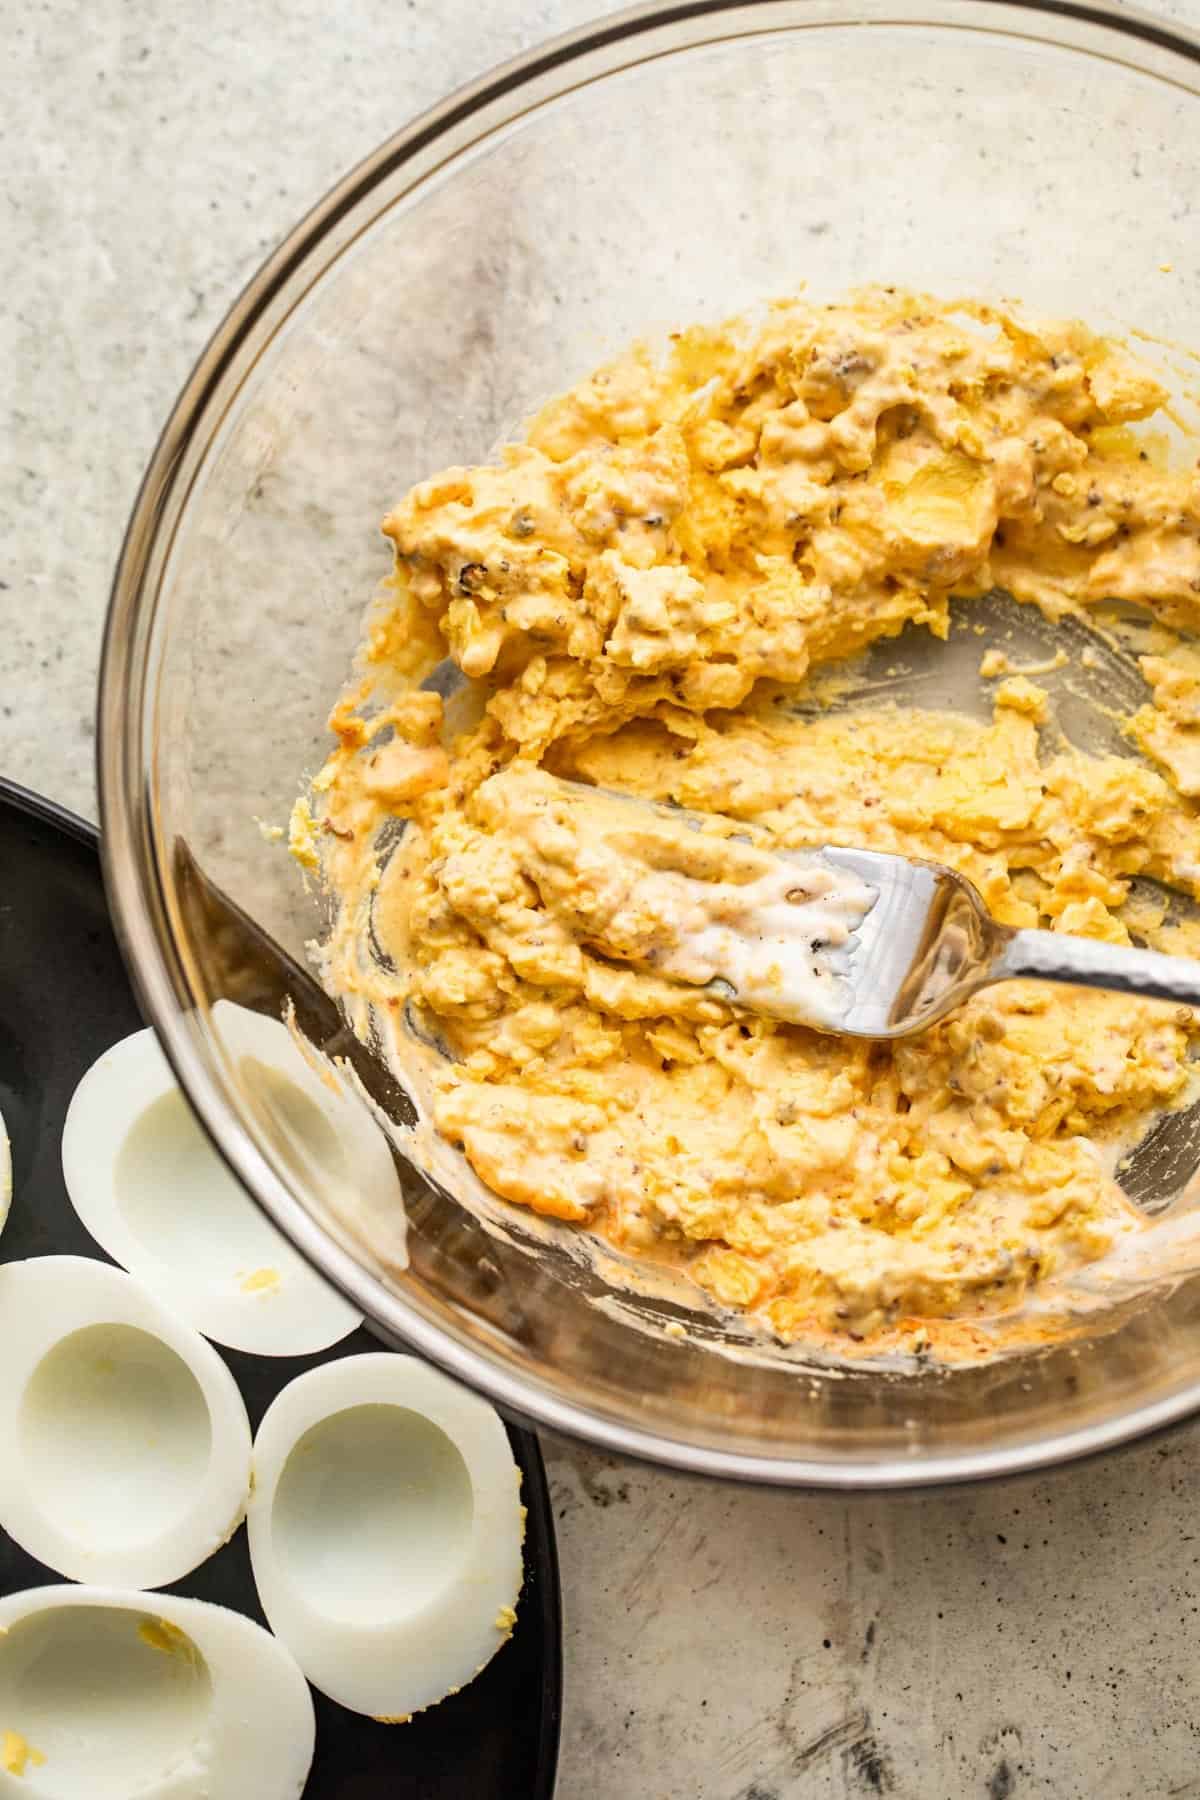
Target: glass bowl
{"points": [[671, 164]]}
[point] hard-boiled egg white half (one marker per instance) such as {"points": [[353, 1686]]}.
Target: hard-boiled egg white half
{"points": [[126, 1446], [154, 1193], [385, 1531], [111, 1695], [5, 1173]]}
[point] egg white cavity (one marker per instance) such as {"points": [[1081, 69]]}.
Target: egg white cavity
{"points": [[127, 1446], [385, 1531], [110, 1694], [149, 1186], [111, 1411], [406, 1487], [325, 1131], [64, 1662], [175, 1194]]}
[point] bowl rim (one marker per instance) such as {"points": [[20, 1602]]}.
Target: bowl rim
{"points": [[133, 876]]}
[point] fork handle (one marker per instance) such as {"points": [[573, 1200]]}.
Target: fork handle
{"points": [[1053, 956]]}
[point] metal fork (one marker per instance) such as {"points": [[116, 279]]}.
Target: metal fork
{"points": [[929, 943], [926, 944]]}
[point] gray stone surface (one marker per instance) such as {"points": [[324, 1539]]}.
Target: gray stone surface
{"points": [[1037, 1638]]}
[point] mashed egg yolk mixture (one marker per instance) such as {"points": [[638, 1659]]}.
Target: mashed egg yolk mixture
{"points": [[637, 591]]}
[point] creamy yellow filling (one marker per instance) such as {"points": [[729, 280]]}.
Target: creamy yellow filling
{"points": [[637, 589]]}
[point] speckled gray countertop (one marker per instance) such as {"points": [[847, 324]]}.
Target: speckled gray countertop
{"points": [[1036, 1638]]}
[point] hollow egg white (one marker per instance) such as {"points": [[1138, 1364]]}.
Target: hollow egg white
{"points": [[126, 1445], [154, 1193], [106, 1694], [385, 1531], [5, 1173]]}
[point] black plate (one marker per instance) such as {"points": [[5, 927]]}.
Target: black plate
{"points": [[64, 998]]}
